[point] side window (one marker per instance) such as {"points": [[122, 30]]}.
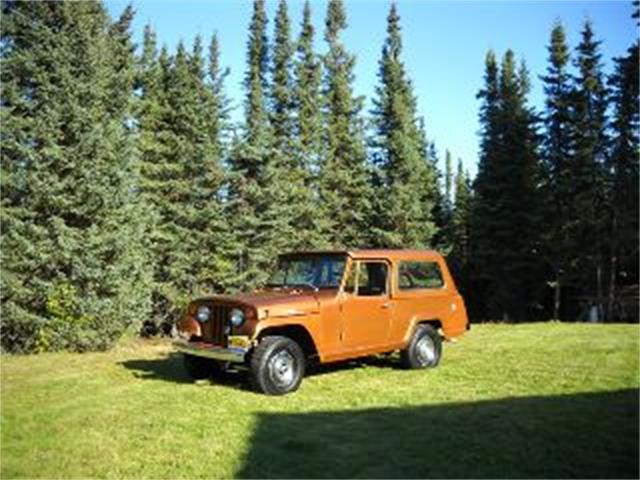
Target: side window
{"points": [[372, 279], [414, 275]]}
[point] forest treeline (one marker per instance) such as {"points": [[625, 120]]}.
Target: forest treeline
{"points": [[127, 189]]}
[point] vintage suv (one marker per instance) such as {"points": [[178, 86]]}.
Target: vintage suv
{"points": [[325, 307]]}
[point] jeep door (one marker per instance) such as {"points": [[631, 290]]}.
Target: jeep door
{"points": [[366, 308]]}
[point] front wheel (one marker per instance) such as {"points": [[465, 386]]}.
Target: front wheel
{"points": [[424, 349], [277, 365]]}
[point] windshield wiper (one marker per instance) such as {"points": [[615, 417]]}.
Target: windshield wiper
{"points": [[293, 285], [305, 284]]}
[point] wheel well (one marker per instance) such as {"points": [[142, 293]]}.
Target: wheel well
{"points": [[435, 323], [297, 333]]}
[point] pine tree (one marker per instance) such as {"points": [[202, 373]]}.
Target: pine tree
{"points": [[193, 215], [589, 105], [345, 191], [291, 209], [307, 96], [252, 209], [308, 221], [282, 83], [448, 179], [405, 219], [155, 168], [74, 275], [460, 219], [255, 81], [484, 220], [557, 155], [182, 117], [623, 166], [505, 211]]}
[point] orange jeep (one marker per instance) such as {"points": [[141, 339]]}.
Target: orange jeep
{"points": [[326, 307]]}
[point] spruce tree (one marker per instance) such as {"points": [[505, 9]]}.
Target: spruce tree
{"points": [[505, 218], [448, 179], [182, 117], [557, 155], [403, 211], [192, 211], [623, 166], [589, 105], [255, 81], [253, 199], [307, 95], [282, 84], [73, 227], [345, 190], [291, 208], [156, 170], [460, 218], [484, 220]]}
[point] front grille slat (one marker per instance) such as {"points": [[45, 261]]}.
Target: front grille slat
{"points": [[213, 330]]}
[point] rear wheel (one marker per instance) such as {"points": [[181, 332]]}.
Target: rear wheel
{"points": [[424, 349], [277, 365], [200, 368]]}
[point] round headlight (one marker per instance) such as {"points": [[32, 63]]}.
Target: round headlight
{"points": [[236, 317], [204, 313]]}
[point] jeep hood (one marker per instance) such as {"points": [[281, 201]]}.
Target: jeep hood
{"points": [[271, 303]]}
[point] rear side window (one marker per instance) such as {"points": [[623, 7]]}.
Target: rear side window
{"points": [[413, 275]]}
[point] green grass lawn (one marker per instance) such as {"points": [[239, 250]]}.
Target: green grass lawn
{"points": [[534, 400]]}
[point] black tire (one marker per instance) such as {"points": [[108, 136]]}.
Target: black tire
{"points": [[424, 349], [277, 366], [200, 368]]}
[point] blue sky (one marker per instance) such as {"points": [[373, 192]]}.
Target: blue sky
{"points": [[445, 42]]}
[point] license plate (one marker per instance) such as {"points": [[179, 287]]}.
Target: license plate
{"points": [[240, 341]]}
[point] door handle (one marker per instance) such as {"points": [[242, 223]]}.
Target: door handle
{"points": [[386, 305]]}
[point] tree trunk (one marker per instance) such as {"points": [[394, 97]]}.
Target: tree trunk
{"points": [[556, 298], [613, 267], [599, 288]]}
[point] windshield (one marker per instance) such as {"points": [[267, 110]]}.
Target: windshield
{"points": [[315, 271]]}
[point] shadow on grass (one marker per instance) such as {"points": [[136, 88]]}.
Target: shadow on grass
{"points": [[171, 369], [590, 435]]}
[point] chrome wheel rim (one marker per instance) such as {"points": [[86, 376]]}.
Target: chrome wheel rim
{"points": [[425, 350], [282, 368]]}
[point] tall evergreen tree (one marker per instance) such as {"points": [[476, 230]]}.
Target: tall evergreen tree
{"points": [[282, 83], [181, 121], [460, 219], [307, 95], [255, 80], [248, 153], [345, 190], [292, 208], [448, 180], [623, 166], [255, 201], [309, 221], [73, 226], [505, 213], [557, 156], [484, 220], [404, 211], [589, 105], [155, 168]]}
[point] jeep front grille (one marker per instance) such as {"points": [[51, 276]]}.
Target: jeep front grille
{"points": [[213, 331]]}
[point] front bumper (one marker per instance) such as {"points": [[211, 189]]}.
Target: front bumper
{"points": [[207, 350]]}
